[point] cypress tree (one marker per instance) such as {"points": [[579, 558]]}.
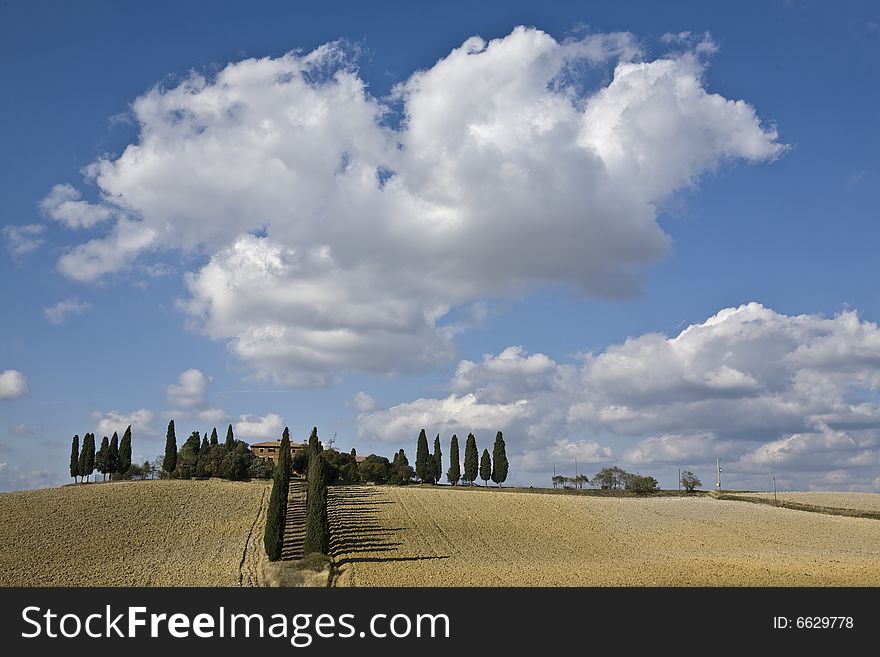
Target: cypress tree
{"points": [[317, 537], [454, 473], [276, 513], [438, 460], [74, 458], [125, 452], [101, 457], [485, 467], [499, 460], [170, 460], [205, 444], [113, 455], [422, 457], [353, 453], [87, 456], [214, 440], [230, 439], [471, 459]]}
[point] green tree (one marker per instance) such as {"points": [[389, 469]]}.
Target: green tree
{"points": [[612, 478], [454, 472], [422, 457], [438, 460], [276, 512], [353, 453], [101, 457], [169, 463], [230, 439], [113, 455], [499, 460], [375, 468], [74, 458], [317, 537], [690, 481], [87, 456], [471, 459], [401, 471], [205, 444], [485, 467], [125, 452], [214, 440]]}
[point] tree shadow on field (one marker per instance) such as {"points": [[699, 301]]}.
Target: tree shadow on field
{"points": [[355, 528]]}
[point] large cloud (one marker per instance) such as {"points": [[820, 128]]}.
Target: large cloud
{"points": [[190, 389], [339, 243], [767, 392]]}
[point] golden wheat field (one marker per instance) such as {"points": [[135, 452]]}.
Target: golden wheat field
{"points": [[415, 536], [138, 533], [856, 501]]}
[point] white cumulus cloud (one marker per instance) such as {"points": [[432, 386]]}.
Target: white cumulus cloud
{"points": [[12, 384], [764, 391], [338, 243], [190, 389], [255, 427], [142, 423]]}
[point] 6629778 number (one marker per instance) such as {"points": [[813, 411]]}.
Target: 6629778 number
{"points": [[814, 622]]}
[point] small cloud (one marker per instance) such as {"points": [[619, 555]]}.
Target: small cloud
{"points": [[63, 204], [365, 403], [141, 422], [158, 270], [64, 309], [12, 384], [22, 240], [190, 389], [267, 427], [21, 430]]}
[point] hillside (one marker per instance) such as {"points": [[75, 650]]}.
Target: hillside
{"points": [[138, 533]]}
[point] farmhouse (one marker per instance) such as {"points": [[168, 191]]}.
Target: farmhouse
{"points": [[270, 448]]}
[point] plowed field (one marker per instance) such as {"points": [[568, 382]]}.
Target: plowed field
{"points": [[139, 533], [422, 536]]}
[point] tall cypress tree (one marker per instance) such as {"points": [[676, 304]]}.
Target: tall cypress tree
{"points": [[422, 457], [485, 467], [205, 444], [438, 460], [276, 513], [471, 459], [214, 439], [74, 458], [499, 460], [230, 439], [113, 455], [454, 472], [87, 456], [125, 452], [101, 457], [170, 460], [317, 537]]}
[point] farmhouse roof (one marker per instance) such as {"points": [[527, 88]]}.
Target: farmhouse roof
{"points": [[276, 443]]}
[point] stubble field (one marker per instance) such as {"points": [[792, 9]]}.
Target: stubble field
{"points": [[139, 533], [420, 536], [868, 502]]}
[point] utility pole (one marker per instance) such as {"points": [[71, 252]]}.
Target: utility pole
{"points": [[679, 479], [718, 474], [774, 490]]}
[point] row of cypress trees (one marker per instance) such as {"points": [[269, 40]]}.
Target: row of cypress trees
{"points": [[113, 458], [429, 465], [317, 530]]}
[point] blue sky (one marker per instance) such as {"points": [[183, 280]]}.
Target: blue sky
{"points": [[451, 297]]}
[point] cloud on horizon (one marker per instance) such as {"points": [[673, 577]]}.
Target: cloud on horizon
{"points": [[769, 393]]}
